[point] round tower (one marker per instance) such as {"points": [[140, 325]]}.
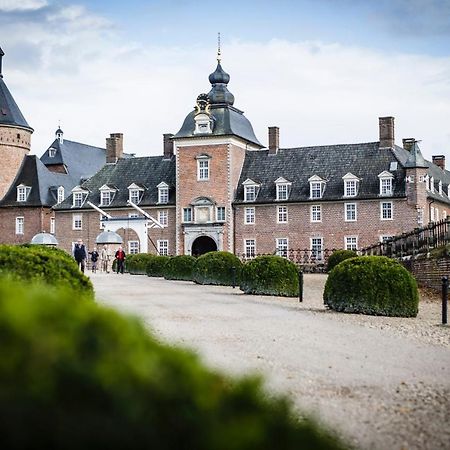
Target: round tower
{"points": [[15, 136]]}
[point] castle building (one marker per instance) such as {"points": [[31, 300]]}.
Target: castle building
{"points": [[215, 187]]}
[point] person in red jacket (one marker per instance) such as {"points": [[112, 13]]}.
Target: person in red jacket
{"points": [[120, 257]]}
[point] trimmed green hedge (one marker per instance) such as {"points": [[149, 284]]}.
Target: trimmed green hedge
{"points": [[40, 263], [270, 275], [373, 285], [217, 268], [156, 265], [180, 268], [137, 264], [338, 256], [74, 375]]}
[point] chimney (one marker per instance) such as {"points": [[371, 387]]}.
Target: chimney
{"points": [[386, 132], [274, 140], [408, 143], [168, 145], [439, 160], [114, 148]]}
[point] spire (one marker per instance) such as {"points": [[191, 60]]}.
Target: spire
{"points": [[415, 158], [2, 53], [59, 133], [218, 48]]}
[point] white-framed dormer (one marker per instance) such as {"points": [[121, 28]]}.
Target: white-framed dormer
{"points": [[251, 190], [203, 167], [60, 194], [316, 187], [51, 152], [386, 184], [135, 193], [79, 196], [107, 194], [351, 185], [23, 192], [163, 192], [283, 189], [203, 123], [431, 184]]}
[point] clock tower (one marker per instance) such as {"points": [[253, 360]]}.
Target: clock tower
{"points": [[210, 150]]}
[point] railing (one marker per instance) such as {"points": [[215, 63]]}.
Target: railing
{"points": [[420, 240]]}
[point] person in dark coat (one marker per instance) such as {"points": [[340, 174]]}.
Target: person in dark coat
{"points": [[94, 258], [80, 255], [120, 257]]}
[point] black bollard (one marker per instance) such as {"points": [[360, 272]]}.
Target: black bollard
{"points": [[444, 299], [233, 276], [300, 285]]}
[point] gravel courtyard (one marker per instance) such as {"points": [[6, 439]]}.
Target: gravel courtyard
{"points": [[380, 383]]}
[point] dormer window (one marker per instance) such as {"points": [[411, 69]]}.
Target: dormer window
{"points": [[107, 194], [163, 192], [386, 183], [251, 190], [283, 188], [351, 185], [60, 194], [316, 187], [203, 119], [432, 184], [440, 188], [51, 152], [203, 167], [135, 193], [79, 196], [23, 192]]}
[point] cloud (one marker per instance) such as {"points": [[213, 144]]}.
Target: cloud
{"points": [[22, 5]]}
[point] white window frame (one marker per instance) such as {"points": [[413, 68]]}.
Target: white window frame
{"points": [[250, 248], [440, 187], [347, 211], [22, 193], [203, 168], [351, 243], [52, 225], [316, 213], [386, 184], [250, 193], [382, 209], [249, 215], [282, 247], [188, 211], [135, 196], [316, 251], [77, 222], [351, 185], [282, 214], [221, 214], [283, 188], [133, 247], [163, 247], [432, 184], [51, 152], [105, 198], [20, 225], [163, 193], [163, 217], [60, 194], [78, 199]]}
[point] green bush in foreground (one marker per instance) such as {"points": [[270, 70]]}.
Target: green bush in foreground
{"points": [[270, 275], [217, 268], [338, 256], [156, 265], [40, 263], [373, 285], [180, 268], [74, 376]]}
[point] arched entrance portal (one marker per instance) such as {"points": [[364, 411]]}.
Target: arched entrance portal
{"points": [[203, 244]]}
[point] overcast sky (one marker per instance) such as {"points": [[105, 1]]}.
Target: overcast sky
{"points": [[321, 70]]}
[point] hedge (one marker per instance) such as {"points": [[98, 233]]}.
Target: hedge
{"points": [[40, 263], [217, 268], [94, 379], [155, 266], [373, 285], [180, 268], [270, 275], [338, 256], [137, 264]]}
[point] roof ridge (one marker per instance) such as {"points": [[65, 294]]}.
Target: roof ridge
{"points": [[328, 145]]}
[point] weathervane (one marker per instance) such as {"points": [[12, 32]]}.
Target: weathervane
{"points": [[218, 48]]}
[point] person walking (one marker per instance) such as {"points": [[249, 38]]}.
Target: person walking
{"points": [[94, 258], [120, 257], [104, 258], [80, 255]]}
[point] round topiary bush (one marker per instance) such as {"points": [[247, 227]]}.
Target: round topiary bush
{"points": [[220, 268], [156, 265], [373, 285], [68, 391], [338, 256], [137, 264], [270, 275], [180, 268], [40, 263]]}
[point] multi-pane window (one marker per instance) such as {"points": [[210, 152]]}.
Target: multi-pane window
{"points": [[316, 189], [105, 198], [20, 225], [351, 243], [22, 193], [163, 194], [163, 247], [78, 199], [385, 186], [203, 169], [282, 191], [187, 214], [282, 214], [52, 225], [350, 188], [350, 212], [316, 213], [163, 217], [317, 248], [386, 210], [134, 196], [249, 215], [60, 193], [282, 247], [250, 248], [221, 214], [250, 193], [77, 222], [133, 247]]}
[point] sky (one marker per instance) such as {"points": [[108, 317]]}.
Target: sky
{"points": [[321, 70]]}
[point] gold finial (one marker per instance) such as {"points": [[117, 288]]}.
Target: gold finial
{"points": [[218, 48]]}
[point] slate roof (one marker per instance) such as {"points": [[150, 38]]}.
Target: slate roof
{"points": [[10, 113], [147, 171]]}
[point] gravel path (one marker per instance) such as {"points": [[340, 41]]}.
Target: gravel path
{"points": [[380, 383]]}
